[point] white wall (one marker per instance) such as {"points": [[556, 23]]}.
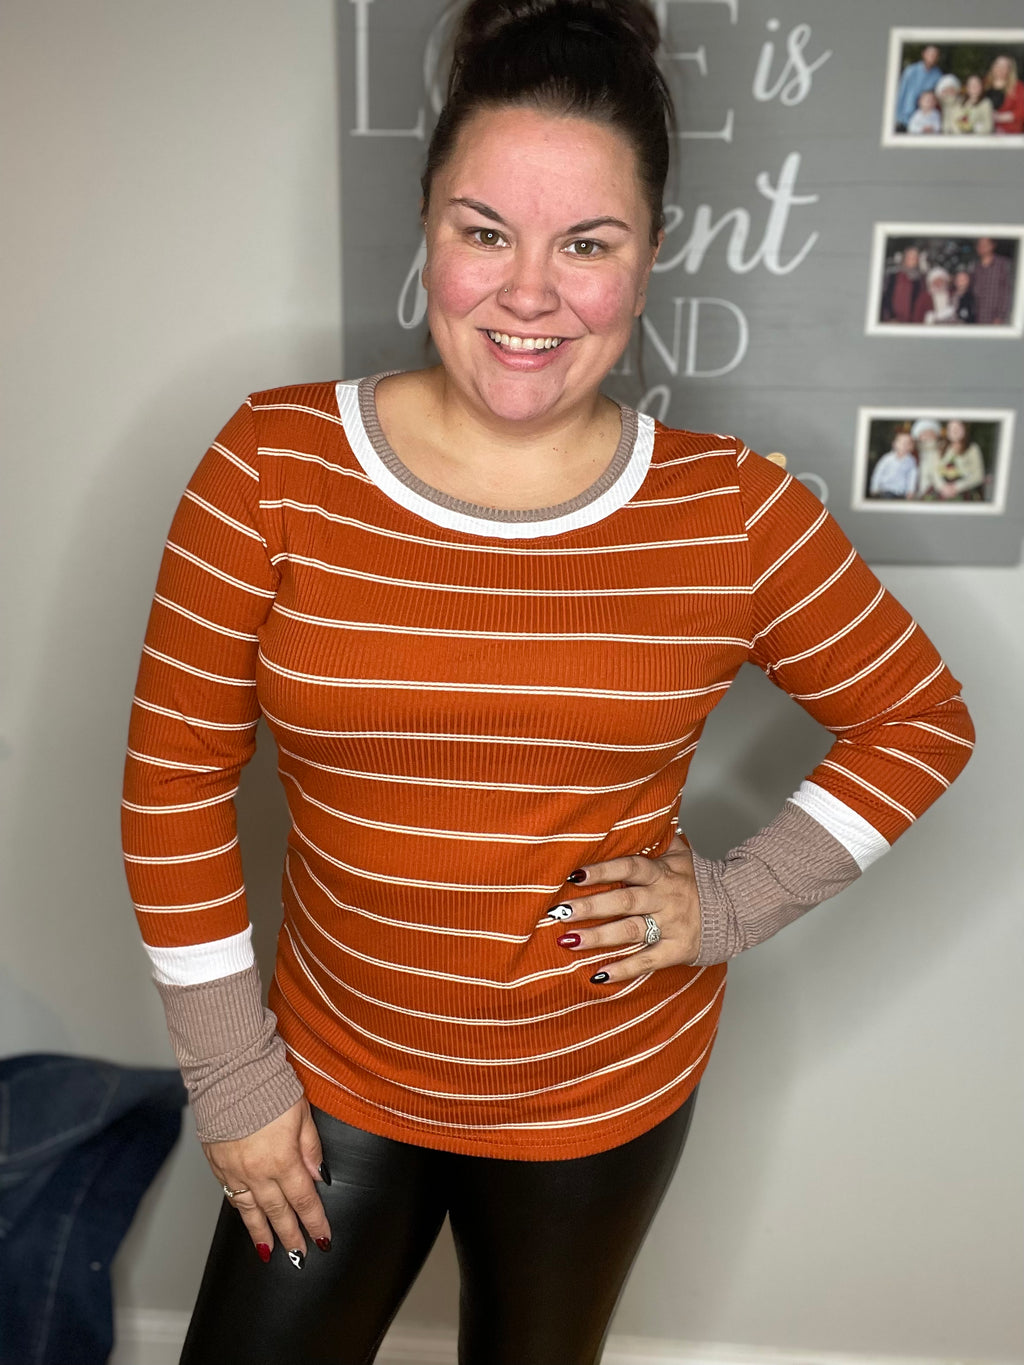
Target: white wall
{"points": [[170, 191]]}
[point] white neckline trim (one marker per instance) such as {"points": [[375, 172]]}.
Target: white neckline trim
{"points": [[624, 487]]}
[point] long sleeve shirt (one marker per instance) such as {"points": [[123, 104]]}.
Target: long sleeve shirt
{"points": [[894, 476], [468, 704]]}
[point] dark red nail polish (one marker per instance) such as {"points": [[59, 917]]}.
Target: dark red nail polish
{"points": [[599, 978], [569, 941], [325, 1173], [578, 876], [263, 1251], [324, 1243]]}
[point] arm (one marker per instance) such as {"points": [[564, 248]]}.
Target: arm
{"points": [[887, 292], [922, 305], [972, 470], [828, 633], [876, 476], [192, 729], [1009, 117], [906, 100], [910, 489]]}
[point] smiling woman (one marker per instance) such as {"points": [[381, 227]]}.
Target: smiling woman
{"points": [[486, 612], [528, 314]]}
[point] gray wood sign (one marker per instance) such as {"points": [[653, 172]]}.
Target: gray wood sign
{"points": [[795, 202]]}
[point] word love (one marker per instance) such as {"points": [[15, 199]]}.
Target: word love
{"points": [[790, 83]]}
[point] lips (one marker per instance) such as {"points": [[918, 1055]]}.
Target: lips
{"points": [[512, 342]]}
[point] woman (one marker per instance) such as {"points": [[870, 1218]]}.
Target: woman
{"points": [[960, 471], [1006, 94], [904, 295], [485, 612], [972, 112], [965, 308]]}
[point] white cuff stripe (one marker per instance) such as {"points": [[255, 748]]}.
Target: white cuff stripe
{"points": [[860, 839], [199, 962]]}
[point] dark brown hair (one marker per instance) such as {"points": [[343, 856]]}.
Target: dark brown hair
{"points": [[583, 58]]}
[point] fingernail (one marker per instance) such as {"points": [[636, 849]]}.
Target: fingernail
{"points": [[599, 978], [324, 1243], [297, 1259], [569, 941], [263, 1252], [325, 1173], [580, 875], [563, 911]]}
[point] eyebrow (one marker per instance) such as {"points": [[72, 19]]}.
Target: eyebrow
{"points": [[588, 225]]}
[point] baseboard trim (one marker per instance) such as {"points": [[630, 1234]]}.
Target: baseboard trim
{"points": [[148, 1337]]}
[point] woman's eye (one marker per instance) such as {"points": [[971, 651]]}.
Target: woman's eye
{"points": [[583, 246], [487, 236]]}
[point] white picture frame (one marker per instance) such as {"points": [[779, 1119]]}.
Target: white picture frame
{"points": [[944, 38], [884, 233], [1002, 449]]}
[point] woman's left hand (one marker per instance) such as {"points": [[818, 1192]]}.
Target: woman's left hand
{"points": [[663, 888]]}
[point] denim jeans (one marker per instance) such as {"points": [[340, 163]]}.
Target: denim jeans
{"points": [[80, 1142]]}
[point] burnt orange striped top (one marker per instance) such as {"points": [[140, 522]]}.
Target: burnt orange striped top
{"points": [[469, 704]]}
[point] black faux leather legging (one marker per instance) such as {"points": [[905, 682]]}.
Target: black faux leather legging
{"points": [[544, 1249]]}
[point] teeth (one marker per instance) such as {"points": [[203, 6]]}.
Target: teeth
{"points": [[515, 343]]}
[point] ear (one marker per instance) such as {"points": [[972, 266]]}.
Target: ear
{"points": [[642, 296], [423, 225]]}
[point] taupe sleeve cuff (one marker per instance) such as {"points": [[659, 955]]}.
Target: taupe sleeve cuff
{"points": [[232, 1061], [767, 882]]}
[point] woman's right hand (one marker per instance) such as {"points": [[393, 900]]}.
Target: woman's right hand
{"points": [[277, 1167]]}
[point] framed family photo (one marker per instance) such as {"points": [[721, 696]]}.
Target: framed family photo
{"points": [[954, 87], [946, 279], [933, 460]]}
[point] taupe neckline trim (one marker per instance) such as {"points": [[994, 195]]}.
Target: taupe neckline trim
{"points": [[371, 424]]}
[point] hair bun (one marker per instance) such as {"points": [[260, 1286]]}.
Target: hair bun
{"points": [[590, 59], [629, 21]]}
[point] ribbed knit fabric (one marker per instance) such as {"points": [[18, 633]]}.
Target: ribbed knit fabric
{"points": [[770, 880], [229, 1052], [465, 713]]}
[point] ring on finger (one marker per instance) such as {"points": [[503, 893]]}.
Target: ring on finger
{"points": [[652, 932], [229, 1193]]}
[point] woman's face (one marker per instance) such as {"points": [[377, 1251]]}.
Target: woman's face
{"points": [[1001, 69], [956, 432], [975, 88], [538, 254]]}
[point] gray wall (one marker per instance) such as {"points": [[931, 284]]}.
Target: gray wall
{"points": [[171, 241]]}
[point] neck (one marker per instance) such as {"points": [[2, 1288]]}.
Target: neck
{"points": [[469, 421], [460, 447]]}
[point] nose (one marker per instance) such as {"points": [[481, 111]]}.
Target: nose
{"points": [[529, 287]]}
